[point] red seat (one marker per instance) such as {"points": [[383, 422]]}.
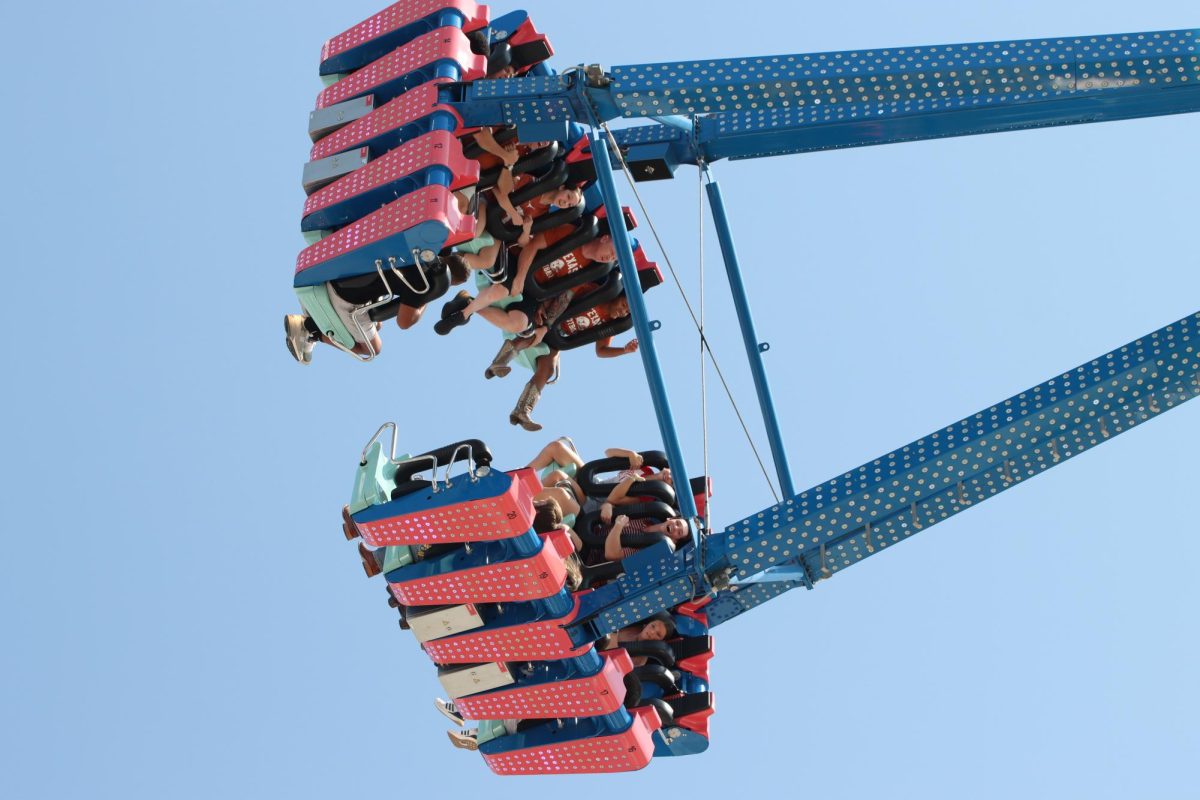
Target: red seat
{"points": [[384, 25], [623, 752], [441, 45], [427, 219], [592, 696], [499, 516], [389, 120], [437, 148], [509, 581], [543, 640]]}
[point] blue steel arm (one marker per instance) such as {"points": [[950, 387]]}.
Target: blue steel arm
{"points": [[828, 528], [820, 532], [772, 105]]}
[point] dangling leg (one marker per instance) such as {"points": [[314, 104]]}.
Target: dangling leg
{"points": [[499, 366], [301, 332], [533, 392]]}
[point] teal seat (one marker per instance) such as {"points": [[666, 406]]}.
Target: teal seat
{"points": [[315, 301]]}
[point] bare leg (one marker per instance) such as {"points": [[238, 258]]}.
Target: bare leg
{"points": [[504, 188], [407, 316], [511, 321], [485, 298], [484, 259], [561, 496]]}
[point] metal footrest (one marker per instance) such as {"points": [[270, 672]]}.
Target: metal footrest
{"points": [[497, 506], [442, 53], [400, 22], [557, 689], [413, 113], [580, 746], [532, 578], [435, 159]]}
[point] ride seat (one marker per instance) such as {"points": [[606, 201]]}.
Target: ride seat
{"points": [[587, 686], [392, 27], [486, 575], [441, 53], [619, 742], [433, 159]]}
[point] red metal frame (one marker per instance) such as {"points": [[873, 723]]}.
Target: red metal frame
{"points": [[437, 45], [602, 693], [624, 752], [544, 640], [431, 204], [501, 517], [509, 581], [397, 16], [415, 104], [436, 148]]}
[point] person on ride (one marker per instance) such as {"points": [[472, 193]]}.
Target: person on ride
{"points": [[676, 529], [557, 464], [657, 628], [302, 332], [459, 310], [545, 365], [531, 352]]}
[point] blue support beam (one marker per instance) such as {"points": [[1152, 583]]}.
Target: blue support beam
{"points": [[838, 524], [822, 531], [774, 105], [754, 349], [641, 322]]}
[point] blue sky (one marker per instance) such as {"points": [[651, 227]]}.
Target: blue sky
{"points": [[183, 618]]}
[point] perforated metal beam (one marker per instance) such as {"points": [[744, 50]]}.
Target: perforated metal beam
{"points": [[830, 527], [773, 105]]}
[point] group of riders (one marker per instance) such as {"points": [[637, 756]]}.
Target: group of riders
{"points": [[542, 265]]}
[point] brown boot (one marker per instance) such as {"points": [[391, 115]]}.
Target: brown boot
{"points": [[499, 366], [525, 403], [369, 562]]}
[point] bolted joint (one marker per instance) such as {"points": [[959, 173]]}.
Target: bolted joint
{"points": [[596, 77]]}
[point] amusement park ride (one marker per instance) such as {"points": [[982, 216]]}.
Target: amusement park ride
{"points": [[391, 163]]}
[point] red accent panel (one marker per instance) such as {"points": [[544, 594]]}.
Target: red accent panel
{"points": [[525, 34], [510, 581], [697, 665], [443, 43], [624, 752], [434, 148], [538, 641], [502, 517], [398, 15], [602, 693], [697, 722], [692, 609], [415, 104], [431, 204], [582, 151]]}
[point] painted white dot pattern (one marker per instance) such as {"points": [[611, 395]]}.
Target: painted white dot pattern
{"points": [[436, 148], [533, 578], [866, 510], [392, 18], [913, 78], [443, 44], [430, 204], [624, 752], [415, 104], [592, 696]]}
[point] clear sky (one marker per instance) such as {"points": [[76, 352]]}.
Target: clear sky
{"points": [[183, 619]]}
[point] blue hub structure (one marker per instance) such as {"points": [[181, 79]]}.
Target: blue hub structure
{"points": [[525, 641]]}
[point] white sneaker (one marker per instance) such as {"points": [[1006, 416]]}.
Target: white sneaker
{"points": [[299, 341], [465, 740], [449, 710]]}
